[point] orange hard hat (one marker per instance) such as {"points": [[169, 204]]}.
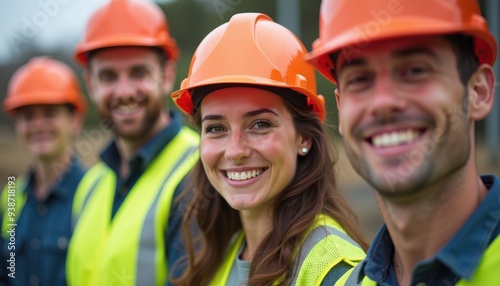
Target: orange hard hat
{"points": [[346, 26], [43, 81], [253, 50], [127, 23]]}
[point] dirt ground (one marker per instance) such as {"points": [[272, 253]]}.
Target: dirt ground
{"points": [[15, 159]]}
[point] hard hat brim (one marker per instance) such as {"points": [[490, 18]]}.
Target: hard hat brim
{"points": [[183, 97], [170, 48], [13, 103]]}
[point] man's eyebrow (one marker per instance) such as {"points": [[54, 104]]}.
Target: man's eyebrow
{"points": [[349, 63], [107, 68], [406, 52], [246, 115], [104, 70], [140, 66]]}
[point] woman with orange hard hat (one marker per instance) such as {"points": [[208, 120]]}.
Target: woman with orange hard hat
{"points": [[266, 200], [45, 101]]}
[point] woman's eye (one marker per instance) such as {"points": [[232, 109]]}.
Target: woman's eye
{"points": [[261, 124], [214, 129], [26, 116], [139, 73], [50, 112]]}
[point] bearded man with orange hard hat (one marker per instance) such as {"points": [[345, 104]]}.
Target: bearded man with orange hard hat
{"points": [[128, 208], [412, 79], [45, 101]]}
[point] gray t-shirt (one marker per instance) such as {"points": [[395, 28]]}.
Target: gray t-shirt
{"points": [[241, 268]]}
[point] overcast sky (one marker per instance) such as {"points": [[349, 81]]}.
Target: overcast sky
{"points": [[46, 23]]}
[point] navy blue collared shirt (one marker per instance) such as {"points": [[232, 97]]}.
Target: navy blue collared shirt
{"points": [[458, 259], [137, 165], [140, 160], [42, 233]]}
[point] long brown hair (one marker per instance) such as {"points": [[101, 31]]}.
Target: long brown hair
{"points": [[312, 191]]}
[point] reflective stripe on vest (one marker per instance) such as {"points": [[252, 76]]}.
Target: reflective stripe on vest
{"points": [[129, 249], [351, 278], [85, 189], [326, 245], [485, 273], [11, 204]]}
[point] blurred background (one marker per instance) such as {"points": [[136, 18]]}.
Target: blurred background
{"points": [[54, 27]]}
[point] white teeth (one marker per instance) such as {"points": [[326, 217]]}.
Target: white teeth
{"points": [[241, 176], [395, 138], [127, 108]]}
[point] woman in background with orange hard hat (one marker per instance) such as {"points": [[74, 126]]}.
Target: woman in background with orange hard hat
{"points": [[266, 200], [45, 102]]}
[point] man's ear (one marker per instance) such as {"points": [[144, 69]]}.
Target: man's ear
{"points": [[481, 88], [77, 120], [169, 72], [337, 99], [88, 83]]}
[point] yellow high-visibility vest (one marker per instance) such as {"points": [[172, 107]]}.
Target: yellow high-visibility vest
{"points": [[12, 201], [328, 249], [485, 273], [128, 249]]}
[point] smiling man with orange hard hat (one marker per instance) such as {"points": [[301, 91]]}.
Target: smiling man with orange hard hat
{"points": [[128, 208], [412, 79]]}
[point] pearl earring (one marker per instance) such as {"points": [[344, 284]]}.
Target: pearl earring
{"points": [[304, 150]]}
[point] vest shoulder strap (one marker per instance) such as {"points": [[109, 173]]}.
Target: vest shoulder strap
{"points": [[85, 189], [222, 274], [485, 273], [12, 200], [325, 246], [352, 277]]}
